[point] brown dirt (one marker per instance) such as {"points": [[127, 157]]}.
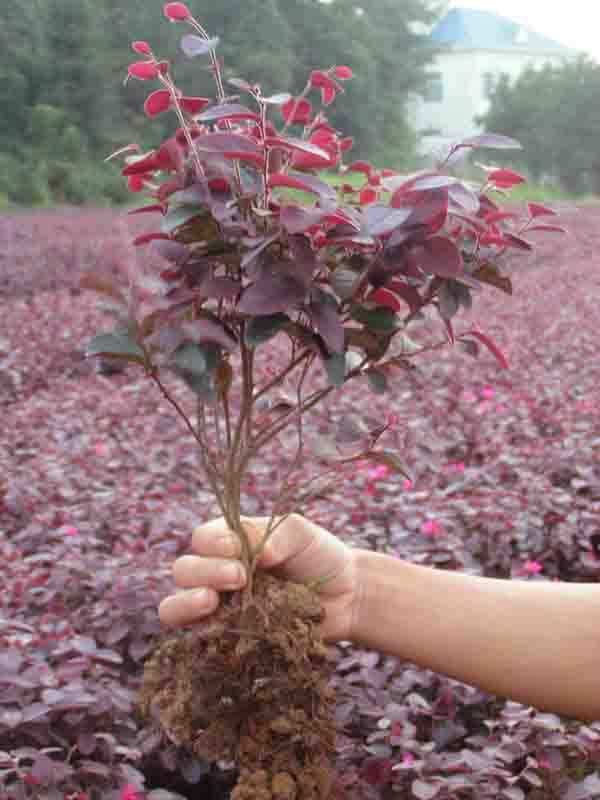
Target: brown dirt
{"points": [[252, 686]]}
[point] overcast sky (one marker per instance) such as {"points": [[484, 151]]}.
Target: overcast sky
{"points": [[575, 23]]}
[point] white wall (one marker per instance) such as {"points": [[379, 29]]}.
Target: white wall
{"points": [[464, 95]]}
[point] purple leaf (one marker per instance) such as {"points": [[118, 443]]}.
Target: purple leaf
{"points": [[296, 219], [381, 219], [139, 649], [12, 719], [304, 259], [35, 711], [425, 791], [119, 630], [272, 294], [108, 655], [86, 743], [226, 111], [170, 250], [440, 256], [279, 99], [256, 251], [94, 768], [83, 644], [53, 696], [193, 45], [226, 142], [43, 769], [495, 141], [10, 661], [220, 288], [207, 330], [324, 316]]}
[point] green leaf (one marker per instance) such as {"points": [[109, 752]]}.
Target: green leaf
{"points": [[118, 344], [197, 365], [261, 329], [179, 216], [191, 358], [335, 367], [377, 381], [382, 320], [391, 460]]}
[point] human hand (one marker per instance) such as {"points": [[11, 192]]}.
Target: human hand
{"points": [[297, 550]]}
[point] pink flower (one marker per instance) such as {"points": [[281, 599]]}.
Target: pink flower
{"points": [[488, 392], [378, 473], [431, 527], [407, 484], [457, 466], [531, 568], [101, 449], [129, 792], [70, 530]]}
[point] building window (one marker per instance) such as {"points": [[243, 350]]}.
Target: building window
{"points": [[434, 91]]}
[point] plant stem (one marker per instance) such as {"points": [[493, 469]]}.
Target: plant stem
{"points": [[211, 472]]}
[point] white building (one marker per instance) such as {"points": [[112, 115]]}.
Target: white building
{"points": [[479, 46]]}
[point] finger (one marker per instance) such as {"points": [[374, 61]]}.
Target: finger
{"points": [[215, 539], [220, 574], [188, 606]]}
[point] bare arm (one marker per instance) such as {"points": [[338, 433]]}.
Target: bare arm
{"points": [[536, 643]]}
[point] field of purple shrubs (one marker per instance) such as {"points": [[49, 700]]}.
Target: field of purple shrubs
{"points": [[100, 489]]}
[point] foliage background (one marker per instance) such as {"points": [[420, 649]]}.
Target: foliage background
{"points": [[63, 105]]}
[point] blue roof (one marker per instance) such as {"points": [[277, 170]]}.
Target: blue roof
{"points": [[483, 30]]}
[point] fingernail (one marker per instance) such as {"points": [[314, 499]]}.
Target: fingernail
{"points": [[201, 597], [231, 575], [227, 546]]}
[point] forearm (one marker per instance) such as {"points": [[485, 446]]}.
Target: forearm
{"points": [[536, 643]]}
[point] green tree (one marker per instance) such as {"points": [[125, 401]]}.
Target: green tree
{"points": [[555, 114]]}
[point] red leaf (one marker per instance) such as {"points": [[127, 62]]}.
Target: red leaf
{"points": [[146, 209], [193, 105], [296, 110], [169, 187], [141, 166], [143, 48], [505, 178], [218, 185], [346, 144], [343, 73], [321, 80], [143, 70], [280, 179], [360, 166], [367, 196], [491, 346], [157, 102], [549, 228], [169, 157], [498, 216], [135, 183], [176, 12], [328, 95], [538, 210], [149, 237], [517, 241], [383, 297]]}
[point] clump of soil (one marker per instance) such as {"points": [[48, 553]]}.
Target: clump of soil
{"points": [[252, 686]]}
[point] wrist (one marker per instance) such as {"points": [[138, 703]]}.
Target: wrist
{"points": [[371, 569]]}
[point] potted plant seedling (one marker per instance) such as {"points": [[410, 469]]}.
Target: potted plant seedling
{"points": [[277, 289]]}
